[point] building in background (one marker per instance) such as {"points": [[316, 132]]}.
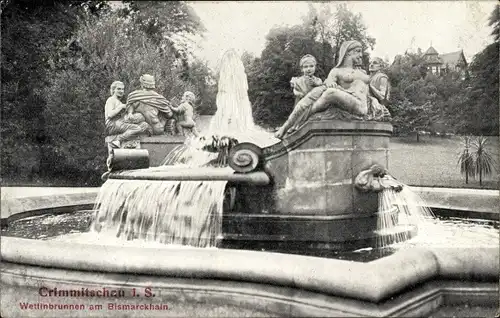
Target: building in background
{"points": [[439, 64]]}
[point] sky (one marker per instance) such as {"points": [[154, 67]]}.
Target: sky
{"points": [[396, 25]]}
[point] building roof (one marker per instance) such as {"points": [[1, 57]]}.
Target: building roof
{"points": [[431, 51], [433, 59], [453, 58]]}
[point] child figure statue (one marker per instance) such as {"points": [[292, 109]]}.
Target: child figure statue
{"points": [[185, 114], [305, 83], [346, 87]]}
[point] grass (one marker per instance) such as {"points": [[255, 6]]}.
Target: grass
{"points": [[433, 162], [430, 162]]}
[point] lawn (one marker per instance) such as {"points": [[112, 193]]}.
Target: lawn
{"points": [[433, 162], [430, 162]]}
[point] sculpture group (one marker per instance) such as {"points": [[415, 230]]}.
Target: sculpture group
{"points": [[146, 112], [348, 93]]}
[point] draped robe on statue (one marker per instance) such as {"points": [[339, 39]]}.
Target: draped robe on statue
{"points": [[153, 106]]}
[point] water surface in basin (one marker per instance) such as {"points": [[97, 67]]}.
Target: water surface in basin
{"points": [[441, 232]]}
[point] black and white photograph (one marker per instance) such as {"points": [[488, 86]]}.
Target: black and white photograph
{"points": [[249, 159]]}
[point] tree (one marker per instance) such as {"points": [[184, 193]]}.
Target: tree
{"points": [[269, 85], [168, 24], [31, 32], [480, 107], [350, 26], [202, 80], [422, 100], [466, 159], [494, 22], [482, 92], [162, 19], [331, 29], [103, 49], [484, 164], [475, 159], [470, 106]]}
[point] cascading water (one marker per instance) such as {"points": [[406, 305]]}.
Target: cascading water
{"points": [[400, 212], [170, 212], [185, 212]]}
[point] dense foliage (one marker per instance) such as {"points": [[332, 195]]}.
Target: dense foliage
{"points": [[321, 33], [31, 34], [58, 61], [449, 103], [421, 101]]}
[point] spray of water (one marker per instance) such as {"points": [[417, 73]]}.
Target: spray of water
{"points": [[234, 111], [400, 213], [433, 232], [234, 115]]}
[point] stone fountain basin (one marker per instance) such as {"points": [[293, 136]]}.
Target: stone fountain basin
{"points": [[218, 282], [193, 281]]}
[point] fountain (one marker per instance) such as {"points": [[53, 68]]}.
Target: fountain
{"points": [[306, 189], [321, 189]]}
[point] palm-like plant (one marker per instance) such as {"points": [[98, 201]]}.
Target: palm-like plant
{"points": [[484, 164], [465, 159]]}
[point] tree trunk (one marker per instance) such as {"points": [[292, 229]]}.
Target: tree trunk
{"points": [[418, 137], [467, 169], [480, 176]]}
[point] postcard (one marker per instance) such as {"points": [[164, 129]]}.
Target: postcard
{"points": [[249, 159]]}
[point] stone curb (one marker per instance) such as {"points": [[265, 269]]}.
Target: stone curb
{"points": [[373, 281], [473, 202]]}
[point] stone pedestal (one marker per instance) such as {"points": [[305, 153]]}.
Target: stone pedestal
{"points": [[324, 158], [313, 203], [157, 146]]}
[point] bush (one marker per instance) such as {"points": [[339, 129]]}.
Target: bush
{"points": [[475, 160]]}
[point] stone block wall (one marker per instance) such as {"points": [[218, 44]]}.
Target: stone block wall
{"points": [[314, 172]]}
